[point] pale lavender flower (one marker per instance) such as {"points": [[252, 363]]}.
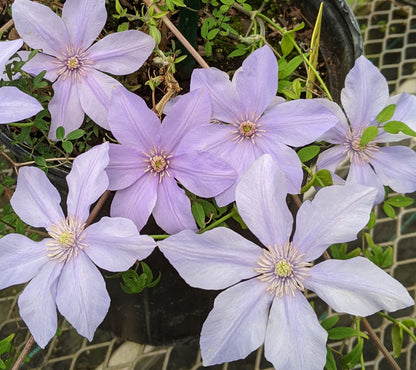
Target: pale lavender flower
{"points": [[365, 95], [15, 105], [152, 157], [264, 300], [69, 58], [258, 121], [61, 268]]}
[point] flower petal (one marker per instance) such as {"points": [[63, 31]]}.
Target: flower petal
{"points": [[35, 200], [137, 201], [331, 158], [365, 93], [87, 180], [256, 81], [40, 27], [84, 21], [41, 62], [7, 49], [236, 325], [15, 105], [81, 296], [294, 338], [37, 304], [224, 98], [65, 107], [189, 112], [298, 122], [95, 93], [287, 160], [114, 243], [261, 202], [202, 173], [131, 121], [215, 259], [357, 286], [126, 166], [20, 260], [396, 167], [121, 53], [336, 215], [172, 210], [365, 175]]}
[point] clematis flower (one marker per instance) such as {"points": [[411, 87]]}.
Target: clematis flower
{"points": [[61, 268], [263, 301], [70, 60], [15, 105], [152, 157], [364, 96], [257, 121]]}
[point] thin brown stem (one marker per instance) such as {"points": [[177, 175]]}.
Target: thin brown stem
{"points": [[97, 207], [179, 35], [7, 26], [24, 353], [379, 344]]}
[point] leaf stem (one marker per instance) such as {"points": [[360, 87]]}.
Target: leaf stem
{"points": [[24, 353], [232, 213]]}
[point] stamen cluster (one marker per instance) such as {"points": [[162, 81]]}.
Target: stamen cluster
{"points": [[158, 162], [66, 239], [73, 63], [282, 267], [248, 128], [357, 153]]}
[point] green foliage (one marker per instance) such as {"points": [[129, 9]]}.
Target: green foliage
{"points": [[308, 152], [369, 134], [6, 349], [321, 178], [395, 202], [339, 252], [382, 257], [394, 127], [386, 114], [135, 283]]}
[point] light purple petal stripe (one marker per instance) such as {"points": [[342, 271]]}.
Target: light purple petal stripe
{"points": [[261, 202], [40, 27], [84, 20], [215, 259], [15, 105], [7, 49], [35, 200], [87, 180], [122, 52], [357, 286], [336, 215], [236, 326], [294, 338], [114, 243], [37, 304], [81, 296]]}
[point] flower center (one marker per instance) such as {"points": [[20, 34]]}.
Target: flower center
{"points": [[357, 153], [248, 128], [73, 63], [157, 162], [66, 239], [283, 269]]}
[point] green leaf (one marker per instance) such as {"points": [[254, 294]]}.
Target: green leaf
{"points": [[60, 133], [354, 356], [394, 127], [133, 283], [324, 177], [386, 113], [329, 322], [123, 27], [372, 221], [345, 332], [308, 152], [330, 360], [399, 201], [339, 252], [287, 43], [410, 323], [397, 340], [238, 218], [369, 134], [389, 210], [37, 80], [199, 214], [40, 161], [6, 343], [289, 67], [212, 33], [67, 146], [76, 134]]}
